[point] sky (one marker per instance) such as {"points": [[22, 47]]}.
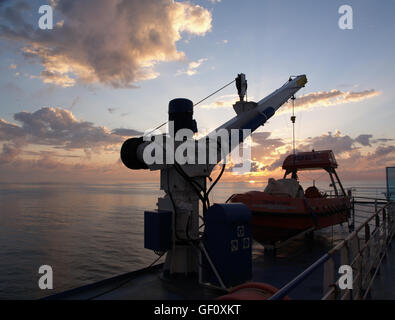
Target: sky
{"points": [[106, 71]]}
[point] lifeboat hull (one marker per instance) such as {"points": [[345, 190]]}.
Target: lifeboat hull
{"points": [[277, 218]]}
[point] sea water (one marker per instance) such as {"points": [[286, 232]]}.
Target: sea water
{"points": [[85, 232]]}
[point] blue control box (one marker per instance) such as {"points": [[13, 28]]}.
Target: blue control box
{"points": [[228, 241], [157, 230]]}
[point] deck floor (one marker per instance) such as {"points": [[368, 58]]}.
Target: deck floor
{"points": [[275, 270]]}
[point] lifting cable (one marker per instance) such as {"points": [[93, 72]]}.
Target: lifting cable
{"points": [[293, 118]]}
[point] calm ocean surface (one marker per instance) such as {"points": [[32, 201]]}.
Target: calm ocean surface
{"points": [[85, 232]]}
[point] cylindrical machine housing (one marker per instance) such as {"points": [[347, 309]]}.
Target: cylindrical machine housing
{"points": [[181, 113]]}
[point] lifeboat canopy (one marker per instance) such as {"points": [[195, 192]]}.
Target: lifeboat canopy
{"points": [[324, 159]]}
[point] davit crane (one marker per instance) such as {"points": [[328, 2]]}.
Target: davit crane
{"points": [[184, 184]]}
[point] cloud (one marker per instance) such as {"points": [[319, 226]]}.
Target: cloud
{"points": [[306, 102], [10, 131], [14, 14], [265, 146], [260, 137], [364, 139], [58, 128], [53, 140], [264, 152], [114, 42], [337, 142], [126, 132], [278, 162], [57, 78], [348, 155], [269, 153], [192, 67], [382, 151], [112, 110], [9, 153], [328, 98], [382, 140], [357, 166], [55, 127]]}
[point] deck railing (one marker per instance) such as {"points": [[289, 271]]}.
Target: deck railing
{"points": [[363, 250]]}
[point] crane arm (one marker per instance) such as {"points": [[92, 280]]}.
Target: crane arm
{"points": [[250, 115]]}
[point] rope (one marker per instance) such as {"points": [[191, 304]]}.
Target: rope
{"points": [[214, 92]]}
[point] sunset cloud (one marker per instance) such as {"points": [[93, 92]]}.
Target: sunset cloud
{"points": [[354, 163], [364, 139], [305, 102], [53, 139], [192, 67], [269, 153], [59, 128], [9, 153], [382, 151], [264, 146], [126, 132], [114, 42], [337, 142], [328, 98]]}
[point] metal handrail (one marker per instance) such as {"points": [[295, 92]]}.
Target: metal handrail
{"points": [[369, 238], [387, 228]]}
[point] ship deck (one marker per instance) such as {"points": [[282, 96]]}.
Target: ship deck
{"points": [[278, 270]]}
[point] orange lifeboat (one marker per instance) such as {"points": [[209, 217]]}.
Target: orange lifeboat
{"points": [[283, 209]]}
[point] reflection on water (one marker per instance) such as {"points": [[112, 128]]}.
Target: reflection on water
{"points": [[85, 232]]}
